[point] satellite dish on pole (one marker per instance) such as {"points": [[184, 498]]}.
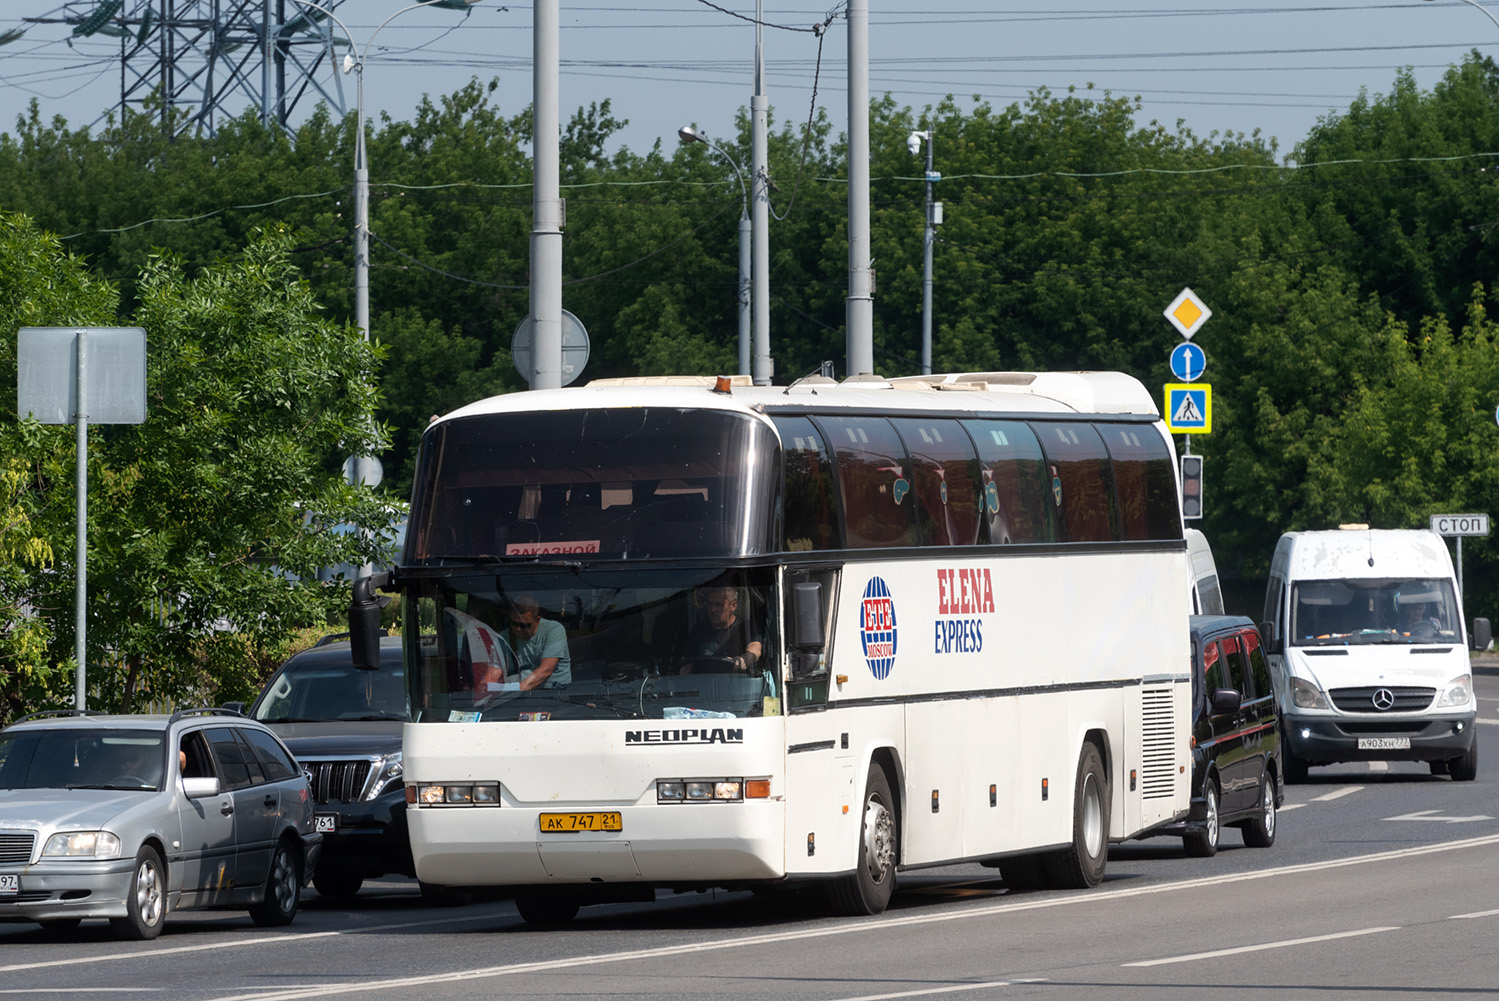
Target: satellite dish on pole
{"points": [[574, 348]]}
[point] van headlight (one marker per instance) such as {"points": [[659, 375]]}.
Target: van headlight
{"points": [[1306, 695], [82, 844], [1459, 692]]}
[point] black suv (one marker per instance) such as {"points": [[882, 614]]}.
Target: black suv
{"points": [[344, 726], [1236, 766]]}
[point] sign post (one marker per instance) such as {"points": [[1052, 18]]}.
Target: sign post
{"points": [[1457, 526], [1188, 408], [71, 375]]}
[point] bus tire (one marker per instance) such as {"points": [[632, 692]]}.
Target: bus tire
{"points": [[867, 889], [547, 907], [1081, 866]]}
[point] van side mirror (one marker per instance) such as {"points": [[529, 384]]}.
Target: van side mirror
{"points": [[1270, 638], [807, 639], [1481, 635], [1226, 700], [364, 621]]}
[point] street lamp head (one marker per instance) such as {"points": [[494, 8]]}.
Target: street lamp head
{"points": [[454, 4], [688, 134]]}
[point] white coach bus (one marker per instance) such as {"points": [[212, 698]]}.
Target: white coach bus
{"points": [[686, 633]]}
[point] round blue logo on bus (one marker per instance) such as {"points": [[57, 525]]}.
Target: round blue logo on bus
{"points": [[877, 628]]}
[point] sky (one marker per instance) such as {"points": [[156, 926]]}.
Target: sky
{"points": [[1274, 66]]}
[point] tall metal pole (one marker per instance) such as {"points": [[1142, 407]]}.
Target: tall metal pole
{"points": [[746, 241], [80, 585], [546, 203], [761, 369], [361, 209], [926, 282], [859, 306]]}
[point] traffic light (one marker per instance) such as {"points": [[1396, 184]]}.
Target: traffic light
{"points": [[1191, 486]]}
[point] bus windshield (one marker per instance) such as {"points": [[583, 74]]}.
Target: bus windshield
{"points": [[575, 643], [1340, 612], [624, 483]]}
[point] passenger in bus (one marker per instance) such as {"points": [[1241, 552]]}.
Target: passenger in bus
{"points": [[720, 641], [540, 646]]}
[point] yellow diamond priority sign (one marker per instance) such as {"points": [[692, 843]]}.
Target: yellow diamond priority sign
{"points": [[1188, 313]]}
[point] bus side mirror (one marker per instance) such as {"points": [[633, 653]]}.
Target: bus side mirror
{"points": [[1481, 636], [364, 621], [1269, 637], [807, 640]]}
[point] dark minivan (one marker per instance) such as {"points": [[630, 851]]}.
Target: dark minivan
{"points": [[343, 724], [1236, 767]]}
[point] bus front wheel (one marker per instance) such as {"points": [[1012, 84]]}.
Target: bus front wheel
{"points": [[1082, 865], [867, 889]]}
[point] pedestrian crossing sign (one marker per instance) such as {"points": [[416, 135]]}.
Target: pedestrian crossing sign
{"points": [[1189, 407]]}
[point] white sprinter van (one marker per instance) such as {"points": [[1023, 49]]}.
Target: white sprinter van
{"points": [[1207, 593], [1364, 631]]}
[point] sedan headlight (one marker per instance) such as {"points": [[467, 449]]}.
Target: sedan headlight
{"points": [[1459, 692], [82, 844], [1306, 695]]}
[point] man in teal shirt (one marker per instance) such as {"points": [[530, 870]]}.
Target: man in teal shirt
{"points": [[540, 646]]}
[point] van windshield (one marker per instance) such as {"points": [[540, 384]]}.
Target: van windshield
{"points": [[1391, 610]]}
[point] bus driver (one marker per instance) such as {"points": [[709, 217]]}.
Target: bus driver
{"points": [[720, 640]]}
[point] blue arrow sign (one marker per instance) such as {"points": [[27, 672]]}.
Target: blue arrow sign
{"points": [[1188, 362]]}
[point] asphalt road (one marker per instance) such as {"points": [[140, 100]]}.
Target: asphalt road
{"points": [[1381, 884]]}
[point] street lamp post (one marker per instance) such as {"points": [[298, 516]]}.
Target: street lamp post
{"points": [[913, 143], [1486, 12], [689, 134], [354, 60]]}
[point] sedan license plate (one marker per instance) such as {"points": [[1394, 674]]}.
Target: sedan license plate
{"points": [[327, 823], [567, 823], [10, 884], [1384, 743]]}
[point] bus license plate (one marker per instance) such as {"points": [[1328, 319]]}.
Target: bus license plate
{"points": [[566, 823], [10, 884], [327, 823], [1384, 743]]}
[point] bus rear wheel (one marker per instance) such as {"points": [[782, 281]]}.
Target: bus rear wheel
{"points": [[868, 888], [1082, 865]]}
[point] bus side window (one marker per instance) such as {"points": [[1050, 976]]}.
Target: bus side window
{"points": [[1082, 484], [1016, 494], [1144, 481], [874, 481], [810, 512], [946, 481]]}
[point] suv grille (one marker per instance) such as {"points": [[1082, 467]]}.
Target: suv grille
{"points": [[1406, 699], [338, 781], [16, 849]]}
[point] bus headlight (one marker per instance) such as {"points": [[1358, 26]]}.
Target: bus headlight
{"points": [[1306, 695], [1459, 692], [455, 794], [708, 790]]}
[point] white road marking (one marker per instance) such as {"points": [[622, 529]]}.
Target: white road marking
{"points": [[1490, 722], [1439, 818], [864, 927], [1260, 948], [1379, 766], [944, 990], [1292, 806], [1475, 914], [884, 923], [1337, 794]]}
